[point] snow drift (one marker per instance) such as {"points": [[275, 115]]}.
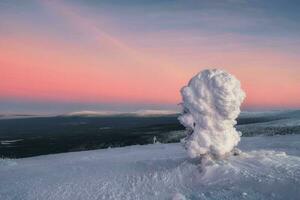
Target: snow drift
{"points": [[211, 103]]}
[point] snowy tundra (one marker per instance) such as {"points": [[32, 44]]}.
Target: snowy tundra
{"points": [[268, 168]]}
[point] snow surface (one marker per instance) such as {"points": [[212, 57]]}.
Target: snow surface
{"points": [[211, 104], [158, 171]]}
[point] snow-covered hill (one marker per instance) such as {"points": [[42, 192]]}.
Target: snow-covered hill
{"points": [[139, 113], [159, 171]]}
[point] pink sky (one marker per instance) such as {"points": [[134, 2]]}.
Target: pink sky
{"points": [[100, 64]]}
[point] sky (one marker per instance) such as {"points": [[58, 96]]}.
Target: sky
{"points": [[62, 56]]}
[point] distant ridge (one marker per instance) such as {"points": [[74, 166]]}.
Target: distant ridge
{"points": [[146, 113], [140, 113], [87, 113], [19, 116]]}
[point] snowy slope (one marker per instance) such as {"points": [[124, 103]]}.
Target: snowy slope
{"points": [[160, 171]]}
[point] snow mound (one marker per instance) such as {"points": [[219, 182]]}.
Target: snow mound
{"points": [[158, 171], [211, 104]]}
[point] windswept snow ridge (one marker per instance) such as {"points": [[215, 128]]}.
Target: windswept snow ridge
{"points": [[211, 104]]}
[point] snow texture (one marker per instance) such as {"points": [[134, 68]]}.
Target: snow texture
{"points": [[211, 104], [157, 172]]}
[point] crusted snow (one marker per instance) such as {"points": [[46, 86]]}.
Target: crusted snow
{"points": [[159, 171]]}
